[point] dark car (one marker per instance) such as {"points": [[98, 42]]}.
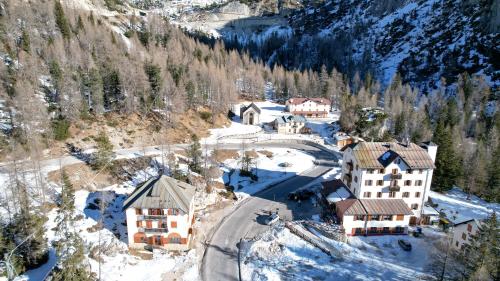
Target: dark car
{"points": [[300, 195], [405, 245]]}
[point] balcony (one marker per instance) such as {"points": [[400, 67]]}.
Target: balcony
{"points": [[350, 166], [152, 230], [396, 176], [151, 217], [394, 186]]}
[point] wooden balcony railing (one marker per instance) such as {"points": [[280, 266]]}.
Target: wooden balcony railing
{"points": [[152, 230]]}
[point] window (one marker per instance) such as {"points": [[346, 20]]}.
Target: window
{"points": [[138, 223], [368, 182], [414, 206], [394, 171], [370, 171], [375, 218], [469, 227], [409, 171], [173, 224], [358, 230], [175, 240], [420, 171], [373, 230], [163, 224], [418, 183], [406, 194], [387, 218], [399, 229], [138, 211], [456, 243], [355, 178], [400, 217], [407, 182], [417, 194], [359, 218], [464, 236], [392, 194], [380, 182], [386, 230], [367, 194], [379, 194], [381, 171], [398, 161]]}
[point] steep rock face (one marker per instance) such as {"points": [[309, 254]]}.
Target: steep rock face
{"points": [[423, 40]]}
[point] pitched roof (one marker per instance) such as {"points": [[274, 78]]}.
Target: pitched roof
{"points": [[386, 207], [377, 155], [478, 222], [303, 100], [290, 118], [252, 105], [335, 191], [161, 192], [350, 207], [353, 207]]}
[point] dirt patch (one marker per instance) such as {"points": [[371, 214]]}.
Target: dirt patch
{"points": [[135, 130], [222, 155], [252, 154], [145, 255], [267, 153], [218, 185], [83, 177]]}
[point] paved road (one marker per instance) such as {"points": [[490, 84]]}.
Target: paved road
{"points": [[220, 261]]}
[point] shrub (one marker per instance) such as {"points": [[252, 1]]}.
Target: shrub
{"points": [[205, 115], [60, 126]]}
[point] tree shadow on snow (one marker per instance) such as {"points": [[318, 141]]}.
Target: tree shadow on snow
{"points": [[113, 217]]}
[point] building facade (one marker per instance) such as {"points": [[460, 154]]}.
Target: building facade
{"points": [[250, 115], [373, 216], [292, 124], [160, 213], [309, 107], [378, 170], [463, 232]]}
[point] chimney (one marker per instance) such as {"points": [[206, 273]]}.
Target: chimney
{"points": [[431, 149]]}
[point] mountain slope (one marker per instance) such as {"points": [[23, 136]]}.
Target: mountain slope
{"points": [[423, 40]]}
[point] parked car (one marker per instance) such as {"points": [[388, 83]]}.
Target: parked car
{"points": [[300, 195], [272, 219], [405, 245]]}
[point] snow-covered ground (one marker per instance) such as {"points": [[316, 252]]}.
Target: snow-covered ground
{"points": [[269, 170], [117, 261], [458, 208], [281, 255]]}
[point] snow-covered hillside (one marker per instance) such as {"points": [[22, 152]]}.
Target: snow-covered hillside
{"points": [[423, 40]]}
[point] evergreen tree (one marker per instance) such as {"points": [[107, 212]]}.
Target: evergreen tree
{"points": [[492, 189], [155, 82], [27, 232], [61, 21], [448, 165], [25, 41], [69, 248], [194, 153], [104, 153]]}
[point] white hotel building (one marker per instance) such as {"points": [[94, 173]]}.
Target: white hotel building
{"points": [[380, 170]]}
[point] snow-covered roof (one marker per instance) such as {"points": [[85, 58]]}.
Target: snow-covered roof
{"points": [[290, 118], [429, 211], [339, 195]]}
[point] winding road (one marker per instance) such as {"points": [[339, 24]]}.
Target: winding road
{"points": [[220, 260]]}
